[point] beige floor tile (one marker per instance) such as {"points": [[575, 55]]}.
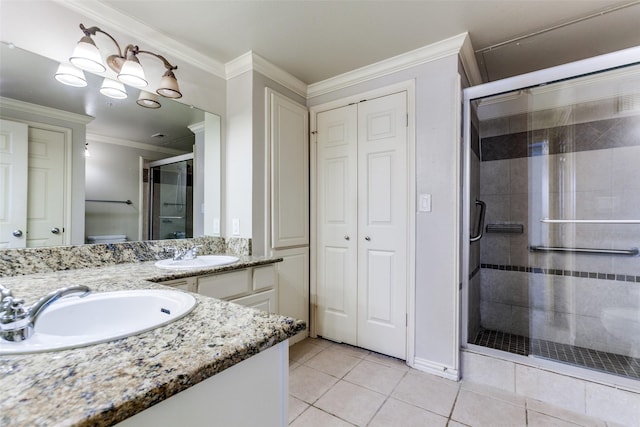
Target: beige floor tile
{"points": [[395, 413], [335, 363], [455, 424], [308, 385], [536, 419], [563, 414], [304, 350], [376, 377], [293, 366], [427, 392], [350, 402], [389, 361], [481, 410], [321, 342], [350, 350], [296, 407], [314, 417]]}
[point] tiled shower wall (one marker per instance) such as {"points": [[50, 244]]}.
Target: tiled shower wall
{"points": [[560, 297]]}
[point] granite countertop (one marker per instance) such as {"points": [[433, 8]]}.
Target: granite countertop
{"points": [[103, 384]]}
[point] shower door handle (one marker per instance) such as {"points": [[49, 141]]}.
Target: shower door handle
{"points": [[478, 234]]}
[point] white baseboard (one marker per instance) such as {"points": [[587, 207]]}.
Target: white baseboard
{"points": [[436, 369]]}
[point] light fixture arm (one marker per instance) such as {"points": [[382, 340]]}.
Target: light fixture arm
{"points": [[91, 31], [167, 64]]}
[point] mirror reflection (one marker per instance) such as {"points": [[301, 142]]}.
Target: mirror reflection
{"points": [[87, 168]]}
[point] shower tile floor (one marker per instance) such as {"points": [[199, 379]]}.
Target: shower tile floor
{"points": [[593, 359]]}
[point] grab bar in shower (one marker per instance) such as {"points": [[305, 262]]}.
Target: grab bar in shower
{"points": [[590, 221], [591, 251], [126, 202], [478, 235]]}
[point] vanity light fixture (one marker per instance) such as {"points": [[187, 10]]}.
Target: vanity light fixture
{"points": [[70, 75], [113, 89], [126, 65], [148, 100]]}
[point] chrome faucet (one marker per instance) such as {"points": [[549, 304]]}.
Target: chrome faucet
{"points": [[182, 254], [17, 321]]}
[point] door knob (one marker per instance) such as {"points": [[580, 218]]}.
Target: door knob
{"points": [[17, 233], [347, 237], [55, 230], [367, 238]]}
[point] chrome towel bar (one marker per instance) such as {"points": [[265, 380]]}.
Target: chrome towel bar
{"points": [[590, 221], [126, 202], [591, 251]]}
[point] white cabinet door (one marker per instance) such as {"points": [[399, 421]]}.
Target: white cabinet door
{"points": [[288, 131], [13, 184], [362, 198], [293, 286]]}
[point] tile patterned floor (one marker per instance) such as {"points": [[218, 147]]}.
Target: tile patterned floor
{"points": [[611, 363], [340, 385]]}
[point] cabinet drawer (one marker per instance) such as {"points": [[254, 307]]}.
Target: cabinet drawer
{"points": [[225, 285], [264, 277], [265, 301], [187, 284]]}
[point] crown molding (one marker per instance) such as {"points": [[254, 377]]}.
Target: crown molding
{"points": [[197, 127], [41, 110], [94, 137], [105, 15], [469, 62], [431, 52], [240, 65], [252, 61]]}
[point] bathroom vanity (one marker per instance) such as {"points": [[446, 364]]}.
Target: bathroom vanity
{"points": [[205, 368]]}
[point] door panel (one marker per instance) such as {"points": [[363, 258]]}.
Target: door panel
{"points": [[382, 224], [289, 131], [46, 188], [13, 183], [337, 216]]}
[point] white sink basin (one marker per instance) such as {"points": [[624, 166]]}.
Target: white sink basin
{"points": [[73, 321], [202, 261]]}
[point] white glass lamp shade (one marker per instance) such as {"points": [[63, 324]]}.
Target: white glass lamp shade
{"points": [[71, 76], [132, 73], [113, 89], [86, 56], [148, 100], [169, 86]]}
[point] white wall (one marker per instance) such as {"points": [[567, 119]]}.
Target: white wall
{"points": [[437, 173], [239, 152]]}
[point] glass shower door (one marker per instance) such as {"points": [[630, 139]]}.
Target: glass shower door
{"points": [[171, 198]]}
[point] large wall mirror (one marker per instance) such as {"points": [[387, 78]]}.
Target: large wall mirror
{"points": [[105, 194]]}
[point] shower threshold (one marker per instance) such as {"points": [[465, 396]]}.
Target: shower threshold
{"points": [[602, 361]]}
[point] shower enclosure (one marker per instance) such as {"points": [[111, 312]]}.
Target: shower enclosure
{"points": [[556, 273], [171, 198]]}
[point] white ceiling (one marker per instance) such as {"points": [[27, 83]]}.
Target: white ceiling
{"points": [[315, 40]]}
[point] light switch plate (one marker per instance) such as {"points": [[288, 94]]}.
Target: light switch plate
{"points": [[424, 203]]}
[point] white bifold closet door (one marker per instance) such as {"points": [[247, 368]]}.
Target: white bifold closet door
{"points": [[362, 175]]}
